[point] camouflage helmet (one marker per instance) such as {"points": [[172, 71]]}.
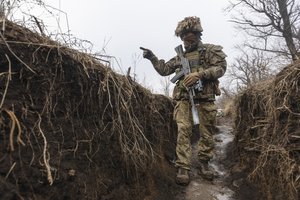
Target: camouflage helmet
{"points": [[192, 24]]}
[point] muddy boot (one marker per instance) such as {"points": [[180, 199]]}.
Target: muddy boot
{"points": [[182, 177], [205, 171]]}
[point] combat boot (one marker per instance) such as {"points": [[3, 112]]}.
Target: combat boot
{"points": [[205, 171], [182, 177]]}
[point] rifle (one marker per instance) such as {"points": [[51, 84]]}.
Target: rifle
{"points": [[185, 70]]}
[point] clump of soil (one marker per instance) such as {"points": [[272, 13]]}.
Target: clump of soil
{"points": [[71, 128], [267, 134]]}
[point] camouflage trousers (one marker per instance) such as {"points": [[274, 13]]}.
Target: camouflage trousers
{"points": [[183, 116]]}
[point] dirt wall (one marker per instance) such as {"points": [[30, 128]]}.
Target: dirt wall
{"points": [[267, 134], [71, 128]]}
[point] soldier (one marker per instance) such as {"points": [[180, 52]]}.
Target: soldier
{"points": [[207, 63]]}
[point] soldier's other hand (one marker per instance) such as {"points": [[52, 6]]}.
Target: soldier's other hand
{"points": [[147, 53], [192, 78]]}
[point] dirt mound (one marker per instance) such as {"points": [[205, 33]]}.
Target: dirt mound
{"points": [[267, 134], [71, 128]]}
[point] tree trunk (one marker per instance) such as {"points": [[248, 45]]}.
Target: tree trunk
{"points": [[2, 9], [287, 30]]}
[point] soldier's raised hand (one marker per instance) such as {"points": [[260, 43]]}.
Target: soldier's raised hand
{"points": [[147, 53]]}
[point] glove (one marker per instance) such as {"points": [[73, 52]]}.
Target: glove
{"points": [[147, 53], [192, 78]]}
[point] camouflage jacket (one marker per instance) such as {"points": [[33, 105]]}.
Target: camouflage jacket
{"points": [[208, 58]]}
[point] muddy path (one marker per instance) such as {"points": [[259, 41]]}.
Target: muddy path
{"points": [[217, 189]]}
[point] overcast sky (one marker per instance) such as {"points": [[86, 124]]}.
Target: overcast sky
{"points": [[122, 26]]}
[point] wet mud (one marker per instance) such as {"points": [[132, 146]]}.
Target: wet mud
{"points": [[200, 188]]}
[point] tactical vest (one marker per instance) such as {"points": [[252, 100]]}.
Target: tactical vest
{"points": [[198, 62]]}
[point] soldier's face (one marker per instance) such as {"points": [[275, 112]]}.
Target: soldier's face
{"points": [[189, 40]]}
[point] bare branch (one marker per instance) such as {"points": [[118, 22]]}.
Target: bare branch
{"points": [[269, 23]]}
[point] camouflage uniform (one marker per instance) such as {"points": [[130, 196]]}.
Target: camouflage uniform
{"points": [[211, 60]]}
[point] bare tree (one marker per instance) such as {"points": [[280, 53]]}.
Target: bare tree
{"points": [[166, 85], [249, 68], [273, 24]]}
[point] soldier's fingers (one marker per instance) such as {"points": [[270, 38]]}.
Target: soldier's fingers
{"points": [[187, 79], [144, 49], [189, 83], [186, 82]]}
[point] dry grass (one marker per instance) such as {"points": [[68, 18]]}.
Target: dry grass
{"points": [[267, 134]]}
